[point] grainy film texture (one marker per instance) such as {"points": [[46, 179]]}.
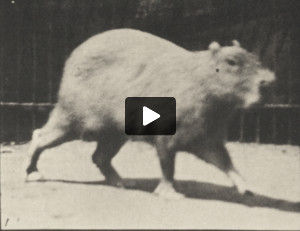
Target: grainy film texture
{"points": [[66, 68]]}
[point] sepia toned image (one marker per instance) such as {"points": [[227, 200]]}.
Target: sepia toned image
{"points": [[150, 114]]}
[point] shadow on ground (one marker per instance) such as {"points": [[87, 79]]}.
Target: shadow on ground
{"points": [[202, 190]]}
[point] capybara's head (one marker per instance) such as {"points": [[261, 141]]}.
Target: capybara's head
{"points": [[240, 72]]}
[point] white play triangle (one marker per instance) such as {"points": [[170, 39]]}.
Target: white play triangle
{"points": [[149, 116]]}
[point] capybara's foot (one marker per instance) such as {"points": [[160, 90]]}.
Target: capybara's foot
{"points": [[31, 169], [115, 181], [248, 193], [238, 182], [34, 176], [166, 190], [32, 173], [245, 189], [240, 188]]}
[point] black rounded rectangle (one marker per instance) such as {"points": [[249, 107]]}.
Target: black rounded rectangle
{"points": [[164, 125]]}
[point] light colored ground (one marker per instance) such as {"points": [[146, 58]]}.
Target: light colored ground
{"points": [[74, 196]]}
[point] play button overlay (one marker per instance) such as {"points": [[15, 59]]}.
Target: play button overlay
{"points": [[150, 116]]}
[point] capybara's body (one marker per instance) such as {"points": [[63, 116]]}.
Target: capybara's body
{"points": [[107, 68]]}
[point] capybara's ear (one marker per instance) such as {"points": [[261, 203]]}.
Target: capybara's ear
{"points": [[236, 43], [214, 47]]}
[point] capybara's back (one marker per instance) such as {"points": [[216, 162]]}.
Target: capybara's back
{"points": [[106, 69], [109, 67]]}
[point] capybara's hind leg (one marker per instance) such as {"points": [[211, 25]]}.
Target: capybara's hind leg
{"points": [[219, 156], [108, 146], [42, 139]]}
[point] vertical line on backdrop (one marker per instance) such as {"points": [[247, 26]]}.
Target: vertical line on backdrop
{"points": [[34, 62], [1, 72], [274, 63], [113, 13], [257, 128], [50, 55], [66, 17], [18, 71], [289, 76], [274, 121], [242, 121], [84, 24], [290, 127]]}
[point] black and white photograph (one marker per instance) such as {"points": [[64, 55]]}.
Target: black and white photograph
{"points": [[150, 114]]}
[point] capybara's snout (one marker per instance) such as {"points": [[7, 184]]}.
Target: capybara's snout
{"points": [[265, 78]]}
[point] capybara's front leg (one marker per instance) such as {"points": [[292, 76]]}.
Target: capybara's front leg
{"points": [[165, 188], [218, 155]]}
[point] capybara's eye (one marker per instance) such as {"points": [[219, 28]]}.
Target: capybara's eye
{"points": [[231, 62]]}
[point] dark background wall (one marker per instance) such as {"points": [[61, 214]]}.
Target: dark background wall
{"points": [[36, 37]]}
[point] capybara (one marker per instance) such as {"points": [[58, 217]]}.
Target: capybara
{"points": [[99, 74]]}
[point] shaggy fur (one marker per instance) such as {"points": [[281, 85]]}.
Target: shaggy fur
{"points": [[107, 68]]}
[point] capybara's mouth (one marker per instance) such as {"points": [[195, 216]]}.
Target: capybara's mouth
{"points": [[266, 84]]}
